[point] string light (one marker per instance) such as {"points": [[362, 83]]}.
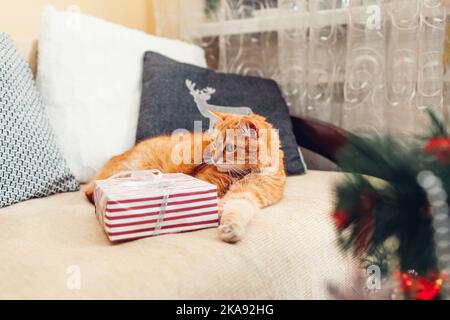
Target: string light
{"points": [[437, 198]]}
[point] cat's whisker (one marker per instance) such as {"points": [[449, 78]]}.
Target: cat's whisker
{"points": [[236, 171]]}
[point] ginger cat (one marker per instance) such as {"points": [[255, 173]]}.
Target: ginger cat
{"points": [[247, 166]]}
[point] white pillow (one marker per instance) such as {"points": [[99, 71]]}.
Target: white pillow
{"points": [[89, 73]]}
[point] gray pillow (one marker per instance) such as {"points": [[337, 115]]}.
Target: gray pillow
{"points": [[30, 163], [174, 95]]}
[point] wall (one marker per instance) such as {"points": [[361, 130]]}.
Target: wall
{"points": [[20, 18], [172, 17]]}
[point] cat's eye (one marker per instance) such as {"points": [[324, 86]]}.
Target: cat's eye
{"points": [[229, 147]]}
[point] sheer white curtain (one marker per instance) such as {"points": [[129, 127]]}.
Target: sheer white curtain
{"points": [[369, 66]]}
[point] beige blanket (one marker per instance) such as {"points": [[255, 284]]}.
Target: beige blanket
{"points": [[55, 248]]}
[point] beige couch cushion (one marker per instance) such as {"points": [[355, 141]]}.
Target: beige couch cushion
{"points": [[289, 252]]}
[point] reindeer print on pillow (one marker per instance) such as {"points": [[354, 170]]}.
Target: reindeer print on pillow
{"points": [[201, 98]]}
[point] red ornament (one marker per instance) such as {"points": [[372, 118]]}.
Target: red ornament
{"points": [[428, 289], [419, 287], [406, 281], [340, 219], [440, 147]]}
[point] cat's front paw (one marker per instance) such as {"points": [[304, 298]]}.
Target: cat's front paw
{"points": [[235, 216], [230, 231]]}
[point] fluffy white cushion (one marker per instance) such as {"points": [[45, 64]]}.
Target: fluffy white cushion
{"points": [[89, 73]]}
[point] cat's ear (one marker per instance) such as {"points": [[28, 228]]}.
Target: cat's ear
{"points": [[249, 127], [218, 115]]}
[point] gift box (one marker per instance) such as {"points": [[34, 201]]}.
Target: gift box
{"points": [[134, 205]]}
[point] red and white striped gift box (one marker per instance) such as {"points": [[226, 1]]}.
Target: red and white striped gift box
{"points": [[148, 204]]}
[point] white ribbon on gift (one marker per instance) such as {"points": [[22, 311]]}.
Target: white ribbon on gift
{"points": [[148, 178]]}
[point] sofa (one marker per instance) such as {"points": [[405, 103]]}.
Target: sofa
{"points": [[289, 252]]}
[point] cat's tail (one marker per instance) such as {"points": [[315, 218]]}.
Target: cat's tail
{"points": [[89, 192]]}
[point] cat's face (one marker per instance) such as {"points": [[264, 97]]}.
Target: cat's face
{"points": [[242, 143]]}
